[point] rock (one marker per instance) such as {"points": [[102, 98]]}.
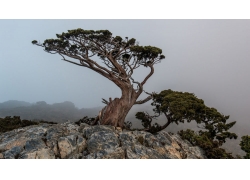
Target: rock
{"points": [[127, 139], [192, 152], [70, 145], [118, 153], [102, 141], [70, 141], [65, 146], [45, 153], [12, 153], [81, 144], [142, 152], [71, 128], [52, 135], [130, 154], [89, 130], [142, 145], [28, 155], [34, 144]]}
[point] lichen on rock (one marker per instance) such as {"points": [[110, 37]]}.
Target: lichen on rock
{"points": [[72, 141]]}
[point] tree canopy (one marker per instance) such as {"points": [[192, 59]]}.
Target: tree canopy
{"points": [[119, 57], [179, 107]]}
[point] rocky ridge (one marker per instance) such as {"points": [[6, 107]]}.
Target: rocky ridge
{"points": [[70, 141]]}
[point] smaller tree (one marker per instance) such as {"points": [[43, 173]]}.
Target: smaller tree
{"points": [[175, 106], [245, 145], [179, 107]]}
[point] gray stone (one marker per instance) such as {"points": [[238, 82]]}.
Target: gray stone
{"points": [[89, 130], [68, 140], [96, 155], [127, 139], [72, 144], [45, 153], [161, 136], [70, 128], [65, 146], [27, 155], [102, 140], [76, 156], [12, 153], [34, 144], [118, 153]]}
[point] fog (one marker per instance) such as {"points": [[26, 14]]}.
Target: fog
{"points": [[209, 58]]}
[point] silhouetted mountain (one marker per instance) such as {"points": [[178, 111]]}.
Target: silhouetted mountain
{"points": [[14, 104], [58, 112]]}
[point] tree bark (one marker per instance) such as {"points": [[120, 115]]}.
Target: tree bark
{"points": [[115, 112], [169, 120]]}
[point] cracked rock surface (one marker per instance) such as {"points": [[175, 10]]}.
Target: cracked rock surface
{"points": [[70, 141]]}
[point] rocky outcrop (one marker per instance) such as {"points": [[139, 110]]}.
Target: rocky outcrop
{"points": [[70, 141]]}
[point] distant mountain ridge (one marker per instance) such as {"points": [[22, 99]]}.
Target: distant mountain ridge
{"points": [[14, 104], [57, 112]]}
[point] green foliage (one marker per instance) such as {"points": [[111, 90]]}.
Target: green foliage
{"points": [[179, 107], [147, 52], [245, 145], [211, 147], [9, 123], [79, 43], [34, 42], [146, 121]]}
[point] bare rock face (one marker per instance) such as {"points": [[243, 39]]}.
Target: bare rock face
{"points": [[70, 141]]}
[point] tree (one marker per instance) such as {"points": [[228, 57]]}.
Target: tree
{"points": [[120, 58], [179, 107], [245, 145]]}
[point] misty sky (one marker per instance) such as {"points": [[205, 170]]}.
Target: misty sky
{"points": [[209, 58]]}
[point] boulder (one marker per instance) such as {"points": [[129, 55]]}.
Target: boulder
{"points": [[70, 141]]}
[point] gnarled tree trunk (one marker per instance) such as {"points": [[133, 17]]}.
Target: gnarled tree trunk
{"points": [[115, 112]]}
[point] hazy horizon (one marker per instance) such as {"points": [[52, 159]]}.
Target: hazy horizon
{"points": [[209, 58], [50, 103]]}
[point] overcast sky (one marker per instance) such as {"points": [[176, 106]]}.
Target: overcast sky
{"points": [[209, 58]]}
